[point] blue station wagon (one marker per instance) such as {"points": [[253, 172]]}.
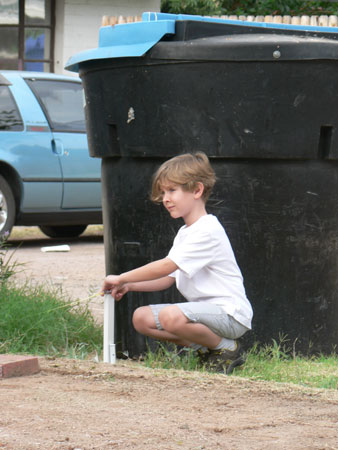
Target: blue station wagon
{"points": [[47, 177]]}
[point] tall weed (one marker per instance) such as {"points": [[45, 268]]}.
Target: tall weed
{"points": [[7, 265]]}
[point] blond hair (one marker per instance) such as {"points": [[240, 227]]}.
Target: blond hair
{"points": [[186, 171]]}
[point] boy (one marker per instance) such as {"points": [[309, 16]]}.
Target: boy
{"points": [[202, 264]]}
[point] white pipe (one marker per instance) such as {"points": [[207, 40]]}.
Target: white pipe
{"points": [[109, 353]]}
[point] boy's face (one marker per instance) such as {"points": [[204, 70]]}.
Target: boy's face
{"points": [[179, 203]]}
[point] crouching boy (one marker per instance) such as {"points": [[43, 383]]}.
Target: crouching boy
{"points": [[202, 264]]}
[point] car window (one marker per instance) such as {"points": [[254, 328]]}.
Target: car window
{"points": [[62, 102], [10, 119]]}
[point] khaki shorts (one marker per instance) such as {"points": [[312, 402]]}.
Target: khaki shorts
{"points": [[208, 314]]}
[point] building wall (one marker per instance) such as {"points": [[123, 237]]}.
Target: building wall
{"points": [[78, 23]]}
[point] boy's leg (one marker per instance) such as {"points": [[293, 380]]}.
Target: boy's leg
{"points": [[185, 323], [228, 354], [145, 323], [174, 321], [168, 322], [216, 319], [181, 325]]}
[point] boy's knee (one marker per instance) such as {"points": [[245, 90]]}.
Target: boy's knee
{"points": [[143, 319], [171, 318], [140, 318]]}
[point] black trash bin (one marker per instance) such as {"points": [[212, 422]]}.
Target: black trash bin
{"points": [[261, 101]]}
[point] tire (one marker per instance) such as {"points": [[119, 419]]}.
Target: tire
{"points": [[7, 208], [62, 231]]}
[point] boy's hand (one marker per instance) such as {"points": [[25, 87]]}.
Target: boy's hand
{"points": [[120, 293], [112, 284]]}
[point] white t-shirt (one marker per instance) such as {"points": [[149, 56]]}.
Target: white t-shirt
{"points": [[208, 270]]}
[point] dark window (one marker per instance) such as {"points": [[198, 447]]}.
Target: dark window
{"points": [[10, 119], [27, 35], [62, 102]]}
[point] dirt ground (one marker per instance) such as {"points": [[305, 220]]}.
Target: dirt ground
{"points": [[86, 405]]}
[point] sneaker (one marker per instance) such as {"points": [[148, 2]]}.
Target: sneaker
{"points": [[224, 360], [202, 356]]}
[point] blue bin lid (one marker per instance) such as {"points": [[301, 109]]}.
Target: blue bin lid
{"points": [[136, 38]]}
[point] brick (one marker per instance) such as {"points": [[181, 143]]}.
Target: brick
{"points": [[18, 365]]}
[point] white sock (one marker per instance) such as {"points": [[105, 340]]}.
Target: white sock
{"points": [[228, 344]]}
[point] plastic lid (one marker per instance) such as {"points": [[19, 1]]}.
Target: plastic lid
{"points": [[136, 38]]}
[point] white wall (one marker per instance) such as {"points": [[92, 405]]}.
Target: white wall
{"points": [[59, 37], [78, 23]]}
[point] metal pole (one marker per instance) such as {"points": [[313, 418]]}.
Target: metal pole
{"points": [[109, 353]]}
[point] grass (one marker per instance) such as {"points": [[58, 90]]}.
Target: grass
{"points": [[41, 321], [38, 321], [267, 363], [171, 357], [272, 363]]}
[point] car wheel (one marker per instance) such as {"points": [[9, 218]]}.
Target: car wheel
{"points": [[62, 231], [7, 208]]}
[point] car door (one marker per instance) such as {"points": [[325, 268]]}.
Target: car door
{"points": [[62, 102], [25, 145]]}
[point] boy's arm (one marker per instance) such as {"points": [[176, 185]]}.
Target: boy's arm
{"points": [[152, 276], [152, 271], [141, 286], [153, 285]]}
